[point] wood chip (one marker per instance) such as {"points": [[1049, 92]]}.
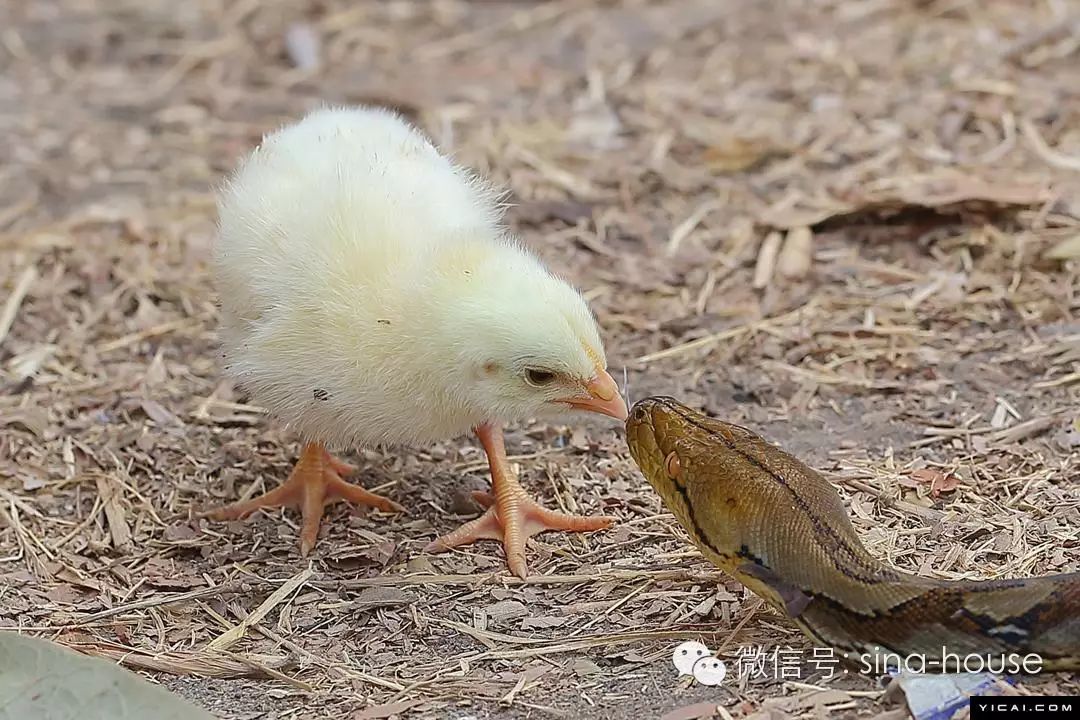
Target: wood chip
{"points": [[111, 493], [766, 260], [796, 256]]}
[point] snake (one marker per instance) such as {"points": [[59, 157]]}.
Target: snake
{"points": [[782, 530]]}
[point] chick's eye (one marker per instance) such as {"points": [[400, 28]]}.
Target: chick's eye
{"points": [[538, 378]]}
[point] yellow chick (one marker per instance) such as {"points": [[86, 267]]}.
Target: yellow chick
{"points": [[370, 295]]}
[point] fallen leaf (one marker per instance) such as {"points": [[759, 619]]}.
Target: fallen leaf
{"points": [[697, 711], [948, 191], [65, 595], [579, 439], [177, 533], [951, 188], [164, 573], [542, 623], [34, 419], [938, 481], [1068, 249], [157, 412], [537, 212], [736, 154], [505, 610], [71, 577], [375, 712], [379, 597], [584, 666]]}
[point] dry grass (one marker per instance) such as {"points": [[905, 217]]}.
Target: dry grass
{"points": [[849, 224]]}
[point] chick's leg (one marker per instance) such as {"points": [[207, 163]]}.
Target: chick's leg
{"points": [[314, 483], [511, 516]]}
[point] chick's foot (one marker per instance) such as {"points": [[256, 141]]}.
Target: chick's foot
{"points": [[314, 483], [516, 520], [511, 516]]}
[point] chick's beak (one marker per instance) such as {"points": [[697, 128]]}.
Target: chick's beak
{"points": [[601, 396]]}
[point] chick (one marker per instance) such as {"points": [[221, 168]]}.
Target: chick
{"points": [[370, 296]]}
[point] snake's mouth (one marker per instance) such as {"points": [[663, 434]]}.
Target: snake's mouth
{"points": [[640, 413], [641, 436], [650, 409], [646, 436]]}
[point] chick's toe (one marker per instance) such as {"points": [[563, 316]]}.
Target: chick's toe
{"points": [[511, 516], [314, 483]]}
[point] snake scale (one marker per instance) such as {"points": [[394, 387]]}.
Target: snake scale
{"points": [[780, 528]]}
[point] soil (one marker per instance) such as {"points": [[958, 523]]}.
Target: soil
{"points": [[850, 225]]}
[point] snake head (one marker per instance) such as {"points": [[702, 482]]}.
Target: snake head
{"points": [[652, 431], [692, 462], [681, 452], [721, 481], [667, 438]]}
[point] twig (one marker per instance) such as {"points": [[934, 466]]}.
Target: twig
{"points": [[163, 328], [229, 637], [928, 515], [1044, 151], [178, 663], [510, 580], [724, 335], [11, 307], [1039, 36], [160, 601], [12, 212], [683, 229]]}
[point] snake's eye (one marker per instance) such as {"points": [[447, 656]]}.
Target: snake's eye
{"points": [[671, 465]]}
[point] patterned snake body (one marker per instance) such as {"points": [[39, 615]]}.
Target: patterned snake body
{"points": [[781, 529]]}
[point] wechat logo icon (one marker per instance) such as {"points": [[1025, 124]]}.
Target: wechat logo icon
{"points": [[694, 658]]}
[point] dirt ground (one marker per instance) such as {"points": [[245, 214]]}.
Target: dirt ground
{"points": [[851, 225]]}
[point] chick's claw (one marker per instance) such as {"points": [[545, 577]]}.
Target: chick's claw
{"points": [[314, 483], [513, 517]]}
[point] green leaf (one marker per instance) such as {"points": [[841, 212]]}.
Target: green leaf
{"points": [[40, 680]]}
